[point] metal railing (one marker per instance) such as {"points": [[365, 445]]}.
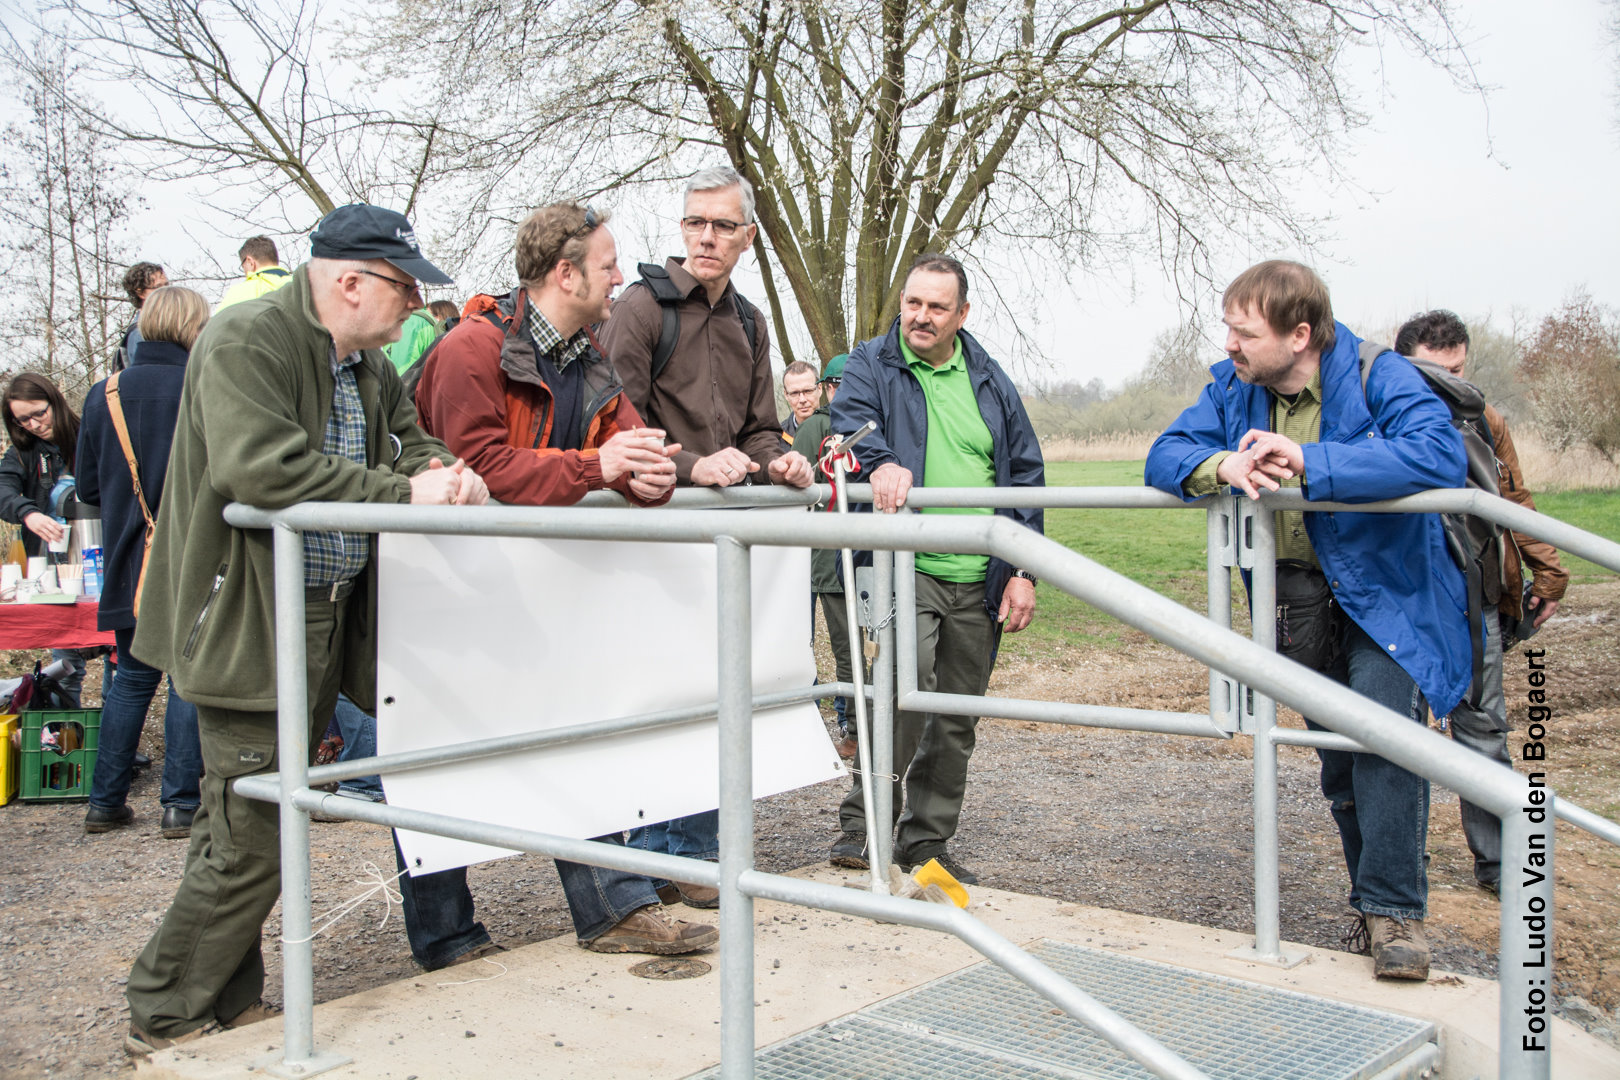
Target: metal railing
{"points": [[1228, 655]]}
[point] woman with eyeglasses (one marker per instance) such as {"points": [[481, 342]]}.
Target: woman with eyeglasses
{"points": [[43, 431]]}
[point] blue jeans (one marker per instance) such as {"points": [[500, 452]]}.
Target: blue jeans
{"points": [[439, 917], [78, 660], [359, 732], [696, 836], [123, 715], [1382, 810]]}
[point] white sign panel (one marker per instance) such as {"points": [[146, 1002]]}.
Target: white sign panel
{"points": [[482, 637]]}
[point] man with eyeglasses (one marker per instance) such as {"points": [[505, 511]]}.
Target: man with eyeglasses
{"points": [[803, 393], [711, 391], [714, 394], [287, 399]]}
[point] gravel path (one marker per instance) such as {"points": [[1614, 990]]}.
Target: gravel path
{"points": [[1144, 823]]}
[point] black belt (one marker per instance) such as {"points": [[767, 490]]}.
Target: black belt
{"points": [[329, 594]]}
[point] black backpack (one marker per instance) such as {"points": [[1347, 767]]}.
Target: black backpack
{"points": [[413, 374], [655, 279], [1475, 543]]}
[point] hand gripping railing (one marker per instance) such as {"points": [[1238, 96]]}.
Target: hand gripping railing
{"points": [[1482, 782]]}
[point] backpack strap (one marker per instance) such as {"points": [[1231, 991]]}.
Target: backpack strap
{"points": [[655, 279], [745, 315], [115, 409]]}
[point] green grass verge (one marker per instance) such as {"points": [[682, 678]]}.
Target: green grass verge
{"points": [[1596, 512]]}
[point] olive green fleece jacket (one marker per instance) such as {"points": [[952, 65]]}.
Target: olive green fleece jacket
{"points": [[252, 421]]}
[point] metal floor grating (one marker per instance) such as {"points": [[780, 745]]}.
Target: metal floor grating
{"points": [[980, 1022]]}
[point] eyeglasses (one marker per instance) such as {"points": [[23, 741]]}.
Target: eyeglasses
{"points": [[804, 393], [723, 229], [407, 288], [29, 419]]}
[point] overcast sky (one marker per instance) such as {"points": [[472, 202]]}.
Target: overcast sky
{"points": [[1484, 206], [1479, 206]]}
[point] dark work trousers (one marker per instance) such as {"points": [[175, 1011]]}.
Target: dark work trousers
{"points": [[832, 609], [1484, 731], [956, 649], [204, 962]]}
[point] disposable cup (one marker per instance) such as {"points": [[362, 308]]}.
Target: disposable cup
{"points": [[36, 566], [73, 586]]}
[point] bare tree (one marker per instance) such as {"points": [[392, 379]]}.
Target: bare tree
{"points": [[1572, 364], [66, 200], [1052, 132], [238, 92]]}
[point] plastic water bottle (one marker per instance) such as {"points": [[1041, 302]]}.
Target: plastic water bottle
{"points": [[92, 572]]}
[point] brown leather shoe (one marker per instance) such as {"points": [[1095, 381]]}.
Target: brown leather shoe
{"points": [[141, 1045], [847, 748], [488, 948], [254, 1013], [1400, 949], [698, 896], [649, 930]]}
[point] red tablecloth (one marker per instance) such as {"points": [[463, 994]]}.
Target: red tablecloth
{"points": [[51, 626]]}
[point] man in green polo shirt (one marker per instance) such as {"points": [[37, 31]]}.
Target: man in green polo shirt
{"points": [[947, 416]]}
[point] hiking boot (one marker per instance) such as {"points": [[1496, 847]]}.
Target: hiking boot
{"points": [[850, 851], [961, 873], [847, 748], [1494, 887], [478, 952], [1399, 948], [139, 1044], [253, 1014], [649, 930], [694, 895], [97, 820], [176, 823]]}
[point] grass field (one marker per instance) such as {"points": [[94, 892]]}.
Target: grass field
{"points": [[1164, 550]]}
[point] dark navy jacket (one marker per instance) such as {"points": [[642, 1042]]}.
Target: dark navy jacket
{"points": [[878, 385], [1392, 573], [150, 391]]}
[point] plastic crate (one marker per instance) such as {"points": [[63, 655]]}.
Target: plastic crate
{"points": [[49, 774], [9, 758]]}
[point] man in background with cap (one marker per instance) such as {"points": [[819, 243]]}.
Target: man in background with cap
{"points": [[825, 584], [288, 399]]}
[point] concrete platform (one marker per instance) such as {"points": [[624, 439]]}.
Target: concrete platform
{"points": [[553, 1010]]}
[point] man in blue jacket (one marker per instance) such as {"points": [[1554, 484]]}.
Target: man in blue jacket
{"points": [[946, 415], [1288, 408]]}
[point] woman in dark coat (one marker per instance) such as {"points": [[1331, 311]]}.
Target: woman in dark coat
{"points": [[149, 392]]}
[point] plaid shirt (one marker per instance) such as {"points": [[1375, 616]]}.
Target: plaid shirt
{"points": [[547, 340], [333, 557]]}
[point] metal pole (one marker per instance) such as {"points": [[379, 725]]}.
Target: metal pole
{"points": [[1262, 541], [736, 696], [882, 806], [863, 729], [1524, 968], [1220, 557]]}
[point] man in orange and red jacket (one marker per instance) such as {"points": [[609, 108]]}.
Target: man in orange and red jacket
{"points": [[520, 387]]}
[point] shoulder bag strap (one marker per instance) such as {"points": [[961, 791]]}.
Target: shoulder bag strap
{"points": [[115, 409]]}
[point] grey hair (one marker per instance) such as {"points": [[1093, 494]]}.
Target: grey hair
{"points": [[718, 178]]}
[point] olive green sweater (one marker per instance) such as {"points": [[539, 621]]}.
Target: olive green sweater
{"points": [[253, 415]]}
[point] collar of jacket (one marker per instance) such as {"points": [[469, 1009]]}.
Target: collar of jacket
{"points": [[160, 352], [518, 362], [974, 357], [683, 280]]}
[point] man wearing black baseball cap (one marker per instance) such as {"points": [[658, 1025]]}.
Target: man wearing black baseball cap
{"points": [[287, 399]]}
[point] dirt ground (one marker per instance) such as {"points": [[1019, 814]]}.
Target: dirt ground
{"points": [[1051, 810]]}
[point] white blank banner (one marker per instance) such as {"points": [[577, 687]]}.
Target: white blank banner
{"points": [[482, 637]]}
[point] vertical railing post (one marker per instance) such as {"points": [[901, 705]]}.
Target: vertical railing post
{"points": [[1259, 524], [1220, 557], [1524, 967], [736, 731], [883, 719], [292, 751]]}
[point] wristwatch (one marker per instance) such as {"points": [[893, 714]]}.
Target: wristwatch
{"points": [[1027, 576]]}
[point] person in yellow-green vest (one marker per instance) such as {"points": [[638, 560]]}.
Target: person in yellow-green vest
{"points": [[425, 326], [263, 272]]}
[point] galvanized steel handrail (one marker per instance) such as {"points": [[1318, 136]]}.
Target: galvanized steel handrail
{"points": [[1335, 706]]}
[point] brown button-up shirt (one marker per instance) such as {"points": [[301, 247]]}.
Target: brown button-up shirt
{"points": [[713, 393]]}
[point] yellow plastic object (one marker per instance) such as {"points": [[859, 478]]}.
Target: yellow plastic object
{"points": [[931, 873], [10, 758]]}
